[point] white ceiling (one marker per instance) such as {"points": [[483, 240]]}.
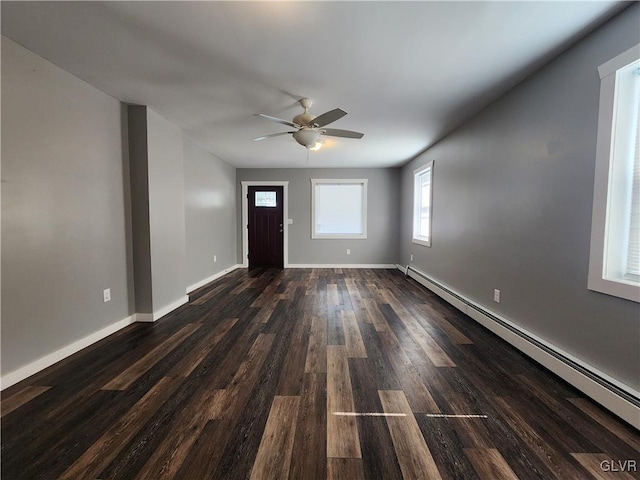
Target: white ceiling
{"points": [[407, 72]]}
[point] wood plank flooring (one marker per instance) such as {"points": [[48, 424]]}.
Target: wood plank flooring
{"points": [[308, 374]]}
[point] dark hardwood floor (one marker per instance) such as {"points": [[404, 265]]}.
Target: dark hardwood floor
{"points": [[308, 374]]}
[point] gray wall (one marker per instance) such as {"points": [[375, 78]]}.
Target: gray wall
{"points": [[166, 211], [139, 175], [210, 213], [71, 222], [383, 223], [157, 173], [513, 191], [63, 208]]}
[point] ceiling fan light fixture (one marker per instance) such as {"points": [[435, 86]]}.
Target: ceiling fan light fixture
{"points": [[306, 137], [317, 146]]}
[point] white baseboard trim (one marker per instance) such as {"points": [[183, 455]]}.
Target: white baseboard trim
{"points": [[341, 265], [54, 357], [143, 317], [48, 360], [598, 392], [213, 277], [169, 308], [152, 317]]}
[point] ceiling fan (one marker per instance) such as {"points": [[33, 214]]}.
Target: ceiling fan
{"points": [[309, 128]]}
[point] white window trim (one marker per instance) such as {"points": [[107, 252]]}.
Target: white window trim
{"points": [[245, 217], [346, 181], [414, 238], [597, 281]]}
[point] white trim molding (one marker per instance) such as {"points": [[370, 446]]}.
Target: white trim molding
{"points": [[161, 312], [54, 357], [606, 258], [625, 58], [36, 366], [169, 308], [573, 370], [213, 277], [245, 217]]}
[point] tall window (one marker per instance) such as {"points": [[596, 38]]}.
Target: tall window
{"points": [[422, 196], [338, 208], [633, 247], [614, 265]]}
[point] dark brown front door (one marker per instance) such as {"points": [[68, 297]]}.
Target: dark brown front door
{"points": [[265, 227]]}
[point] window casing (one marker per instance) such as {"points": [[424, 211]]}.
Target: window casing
{"points": [[614, 264], [339, 208], [422, 204]]}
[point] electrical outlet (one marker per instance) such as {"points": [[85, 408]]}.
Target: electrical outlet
{"points": [[412, 258], [215, 258], [496, 296], [348, 251], [106, 294]]}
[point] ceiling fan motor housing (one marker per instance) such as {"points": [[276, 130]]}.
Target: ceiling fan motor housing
{"points": [[303, 119]]}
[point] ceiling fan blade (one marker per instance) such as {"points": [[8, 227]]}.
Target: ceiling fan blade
{"points": [[328, 117], [272, 135], [336, 132], [277, 120]]}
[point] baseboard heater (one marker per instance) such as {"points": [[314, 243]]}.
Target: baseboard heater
{"points": [[542, 346]]}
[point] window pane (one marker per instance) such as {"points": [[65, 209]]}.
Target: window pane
{"points": [[425, 195], [424, 225], [265, 199], [338, 209], [633, 252], [422, 207], [621, 253]]}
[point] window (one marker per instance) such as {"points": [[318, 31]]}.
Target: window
{"points": [[265, 199], [422, 197], [338, 208], [614, 264]]}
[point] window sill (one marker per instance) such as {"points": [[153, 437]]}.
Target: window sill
{"points": [[426, 243], [337, 237], [621, 288]]}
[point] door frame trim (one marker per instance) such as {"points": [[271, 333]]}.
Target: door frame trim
{"points": [[245, 216]]}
